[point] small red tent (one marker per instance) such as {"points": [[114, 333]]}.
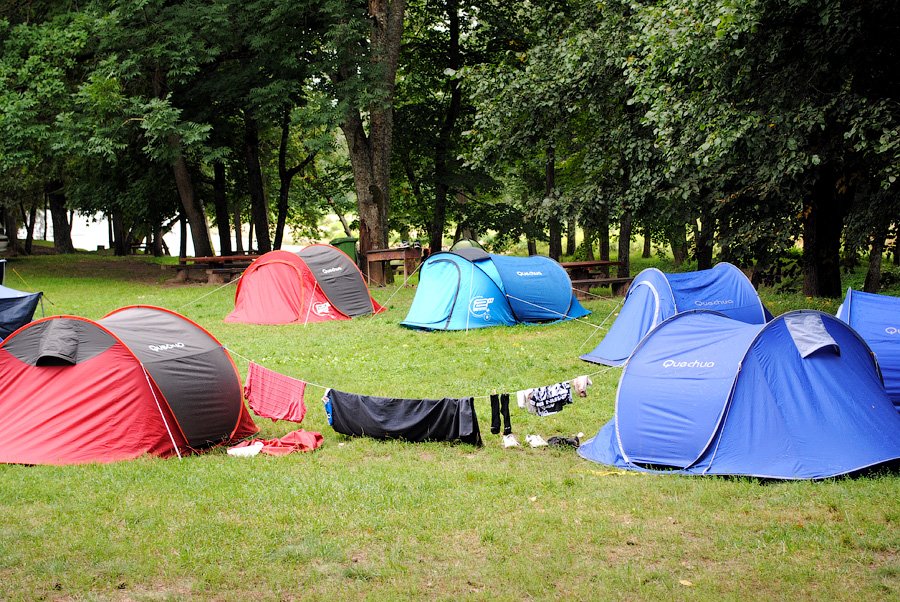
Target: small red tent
{"points": [[143, 380], [317, 284]]}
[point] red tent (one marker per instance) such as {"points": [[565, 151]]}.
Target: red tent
{"points": [[317, 284], [143, 380]]}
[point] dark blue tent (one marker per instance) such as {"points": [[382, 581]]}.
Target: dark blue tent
{"points": [[798, 398], [654, 297], [16, 309], [877, 320], [470, 288]]}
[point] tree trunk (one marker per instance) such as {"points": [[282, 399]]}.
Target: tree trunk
{"points": [[182, 241], [11, 226], [259, 208], [29, 218], [62, 229], [120, 239], [370, 155], [159, 249], [873, 274], [678, 241], [238, 231], [703, 234], [532, 246], [604, 233], [571, 243], [588, 244], [444, 140], [220, 200], [648, 249], [822, 225], [555, 251], [624, 250], [285, 177], [192, 209]]}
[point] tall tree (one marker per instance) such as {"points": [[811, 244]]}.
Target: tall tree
{"points": [[364, 78]]}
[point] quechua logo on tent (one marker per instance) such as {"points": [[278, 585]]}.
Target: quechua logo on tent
{"points": [[332, 270], [714, 303], [166, 346], [529, 274], [891, 330], [480, 307], [690, 364]]}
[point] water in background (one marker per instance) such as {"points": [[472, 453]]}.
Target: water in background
{"points": [[91, 233]]}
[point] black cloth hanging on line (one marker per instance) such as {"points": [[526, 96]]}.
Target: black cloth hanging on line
{"points": [[409, 419]]}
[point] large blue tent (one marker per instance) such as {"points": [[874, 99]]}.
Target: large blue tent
{"points": [[877, 320], [469, 288], [654, 296], [16, 309], [798, 398]]}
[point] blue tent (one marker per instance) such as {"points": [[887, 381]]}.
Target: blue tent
{"points": [[653, 297], [877, 320], [469, 288], [798, 398], [16, 309]]}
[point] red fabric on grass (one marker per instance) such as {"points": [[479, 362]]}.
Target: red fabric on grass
{"points": [[295, 441]]}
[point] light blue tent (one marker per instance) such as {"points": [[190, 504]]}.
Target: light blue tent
{"points": [[469, 288], [877, 320], [653, 297], [798, 398], [16, 309]]}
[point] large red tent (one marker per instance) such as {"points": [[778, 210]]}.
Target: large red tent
{"points": [[142, 380]]}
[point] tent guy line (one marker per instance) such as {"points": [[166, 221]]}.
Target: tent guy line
{"points": [[399, 288], [209, 293], [553, 311]]}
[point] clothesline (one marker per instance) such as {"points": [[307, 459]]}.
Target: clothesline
{"points": [[325, 388]]}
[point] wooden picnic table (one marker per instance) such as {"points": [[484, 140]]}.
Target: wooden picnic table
{"points": [[377, 258], [588, 274], [218, 269]]}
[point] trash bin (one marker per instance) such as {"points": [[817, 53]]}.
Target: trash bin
{"points": [[347, 244]]}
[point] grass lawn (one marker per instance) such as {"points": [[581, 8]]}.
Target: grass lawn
{"points": [[363, 519]]}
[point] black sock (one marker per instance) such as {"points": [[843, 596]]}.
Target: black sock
{"points": [[495, 413], [504, 409]]}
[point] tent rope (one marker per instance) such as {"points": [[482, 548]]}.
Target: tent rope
{"points": [[209, 293], [406, 278], [161, 414], [312, 299], [28, 286], [553, 311], [590, 336]]}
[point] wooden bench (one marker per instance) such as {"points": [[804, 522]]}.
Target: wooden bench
{"points": [[582, 286], [216, 270]]}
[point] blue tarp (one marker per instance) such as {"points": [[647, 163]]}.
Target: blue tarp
{"points": [[705, 394], [472, 289], [877, 320], [16, 309], [654, 297]]}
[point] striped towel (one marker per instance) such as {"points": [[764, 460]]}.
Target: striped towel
{"points": [[273, 395]]}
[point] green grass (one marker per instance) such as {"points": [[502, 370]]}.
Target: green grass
{"points": [[363, 519]]}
